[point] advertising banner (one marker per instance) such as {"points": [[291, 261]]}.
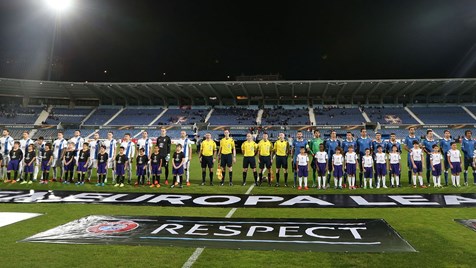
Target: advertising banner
{"points": [[324, 235]]}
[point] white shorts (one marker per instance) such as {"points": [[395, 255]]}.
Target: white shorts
{"points": [[57, 163], [187, 164], [6, 159], [93, 164], [110, 163]]}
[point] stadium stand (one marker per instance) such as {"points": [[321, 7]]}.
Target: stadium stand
{"points": [[66, 115], [472, 109], [338, 116], [280, 115], [389, 115], [11, 114], [443, 115], [233, 116], [101, 116], [136, 116], [175, 116]]}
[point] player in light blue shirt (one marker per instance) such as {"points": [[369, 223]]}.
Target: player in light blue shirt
{"points": [[364, 142], [428, 143], [331, 144], [297, 143], [467, 146], [445, 145], [408, 145]]}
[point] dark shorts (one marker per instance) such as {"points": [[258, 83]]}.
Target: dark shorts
{"points": [[13, 165], [28, 169], [322, 169], [427, 161], [120, 169], [155, 169], [351, 169], [409, 162], [281, 162], [395, 169], [468, 162], [164, 162], [265, 161], [447, 164], [418, 168], [207, 161], [45, 166], [329, 164], [456, 167], [338, 172], [249, 161], [437, 171], [177, 171], [368, 172], [69, 167], [81, 167], [381, 169], [140, 170], [226, 160], [302, 171], [102, 168], [314, 162]]}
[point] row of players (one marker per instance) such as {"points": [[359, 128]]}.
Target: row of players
{"points": [[343, 159], [343, 162]]}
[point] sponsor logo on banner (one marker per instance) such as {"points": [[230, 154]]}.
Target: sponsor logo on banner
{"points": [[326, 235], [224, 200], [113, 227], [471, 223], [7, 218]]}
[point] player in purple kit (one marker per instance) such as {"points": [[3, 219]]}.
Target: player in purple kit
{"points": [[16, 156], [68, 163], [29, 165], [416, 158], [120, 162], [83, 163], [337, 167], [321, 166], [395, 166], [454, 159], [302, 167], [435, 162], [141, 167], [102, 160], [380, 166], [178, 166], [351, 159]]}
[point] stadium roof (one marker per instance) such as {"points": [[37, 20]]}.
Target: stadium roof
{"points": [[327, 92]]}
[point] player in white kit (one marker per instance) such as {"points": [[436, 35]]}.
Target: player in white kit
{"points": [[129, 151], [187, 151], [94, 146], [24, 143], [6, 145], [59, 148], [111, 145]]}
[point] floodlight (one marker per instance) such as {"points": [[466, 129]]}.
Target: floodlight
{"points": [[59, 5]]}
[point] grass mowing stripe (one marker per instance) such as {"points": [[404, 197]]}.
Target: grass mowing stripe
{"points": [[199, 251]]}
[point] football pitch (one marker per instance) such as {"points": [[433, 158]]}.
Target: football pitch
{"points": [[438, 240]]}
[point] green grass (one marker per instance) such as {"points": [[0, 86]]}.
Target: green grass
{"points": [[440, 241]]}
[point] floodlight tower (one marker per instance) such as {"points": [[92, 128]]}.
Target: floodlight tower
{"points": [[58, 7]]}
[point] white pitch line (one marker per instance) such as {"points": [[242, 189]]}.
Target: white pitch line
{"points": [[189, 263]]}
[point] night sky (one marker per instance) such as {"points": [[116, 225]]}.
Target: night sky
{"points": [[209, 40]]}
